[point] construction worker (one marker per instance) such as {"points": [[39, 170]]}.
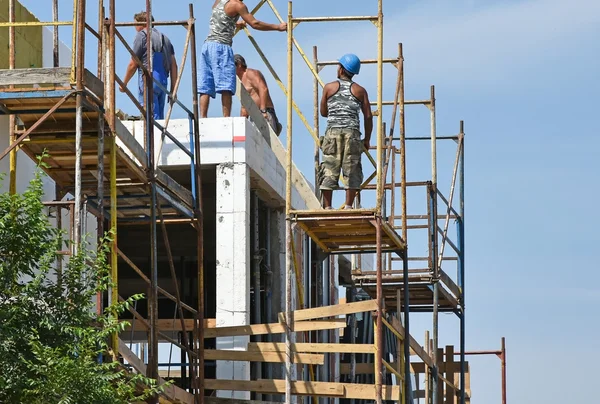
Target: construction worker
{"points": [[255, 83], [163, 65], [341, 104], [217, 68]]}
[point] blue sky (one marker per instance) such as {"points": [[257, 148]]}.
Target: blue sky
{"points": [[524, 75]]}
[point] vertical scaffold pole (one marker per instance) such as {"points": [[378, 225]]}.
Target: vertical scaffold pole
{"points": [[316, 121], [379, 323], [153, 298], [288, 203], [79, 120], [199, 210], [461, 260], [434, 246], [380, 179], [110, 111], [12, 186], [503, 358], [55, 58]]}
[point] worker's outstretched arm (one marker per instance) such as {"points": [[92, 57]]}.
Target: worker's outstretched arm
{"points": [[131, 68], [324, 97], [243, 12], [173, 74], [368, 118]]}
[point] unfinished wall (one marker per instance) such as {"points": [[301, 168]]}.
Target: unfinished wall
{"points": [[233, 266], [28, 50]]}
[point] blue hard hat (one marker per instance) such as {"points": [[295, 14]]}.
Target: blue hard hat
{"points": [[351, 63]]}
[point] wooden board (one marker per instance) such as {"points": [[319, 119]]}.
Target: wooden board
{"points": [[312, 347], [172, 392], [321, 389], [24, 77], [332, 311], [368, 368], [219, 400], [414, 345], [257, 356], [273, 328], [170, 325]]}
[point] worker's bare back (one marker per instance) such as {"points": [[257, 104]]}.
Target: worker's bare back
{"points": [[256, 85]]}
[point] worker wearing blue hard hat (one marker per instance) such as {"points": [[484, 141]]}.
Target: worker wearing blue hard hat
{"points": [[341, 104]]}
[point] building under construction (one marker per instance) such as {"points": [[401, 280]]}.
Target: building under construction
{"points": [[252, 290]]}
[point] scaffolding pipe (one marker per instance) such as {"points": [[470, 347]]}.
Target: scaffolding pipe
{"points": [[55, 58], [503, 359], [198, 211], [403, 149], [379, 106], [379, 323], [427, 371], [256, 261], [434, 246], [79, 122], [100, 36], [110, 112], [316, 124], [12, 186], [289, 241], [461, 265], [100, 193], [152, 370]]}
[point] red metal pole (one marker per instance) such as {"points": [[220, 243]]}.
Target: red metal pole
{"points": [[503, 359]]}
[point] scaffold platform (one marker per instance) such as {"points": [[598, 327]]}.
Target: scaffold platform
{"points": [[47, 115], [341, 231]]}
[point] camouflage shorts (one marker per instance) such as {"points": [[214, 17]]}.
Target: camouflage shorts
{"points": [[342, 149]]}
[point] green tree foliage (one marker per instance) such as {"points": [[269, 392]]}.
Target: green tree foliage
{"points": [[51, 338]]}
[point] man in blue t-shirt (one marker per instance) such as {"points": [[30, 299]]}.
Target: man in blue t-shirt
{"points": [[163, 65]]}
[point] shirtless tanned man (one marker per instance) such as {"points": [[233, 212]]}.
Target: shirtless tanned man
{"points": [[217, 68], [255, 83], [343, 101]]}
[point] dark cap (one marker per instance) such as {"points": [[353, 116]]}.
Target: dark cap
{"points": [[239, 60]]}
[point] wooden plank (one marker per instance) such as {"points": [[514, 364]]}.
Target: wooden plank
{"points": [[257, 356], [332, 311], [219, 400], [367, 368], [171, 325], [312, 347], [93, 83], [299, 182], [172, 392], [124, 138], [277, 387], [175, 188], [273, 328], [449, 283], [414, 345], [449, 371], [446, 295], [321, 389], [18, 77]]}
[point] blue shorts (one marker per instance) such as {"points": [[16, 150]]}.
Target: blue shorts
{"points": [[217, 69]]}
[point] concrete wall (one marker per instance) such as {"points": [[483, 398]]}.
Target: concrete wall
{"points": [[226, 140], [233, 266], [28, 49], [34, 52]]}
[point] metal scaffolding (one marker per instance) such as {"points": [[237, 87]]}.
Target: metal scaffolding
{"points": [[98, 152], [127, 186]]}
